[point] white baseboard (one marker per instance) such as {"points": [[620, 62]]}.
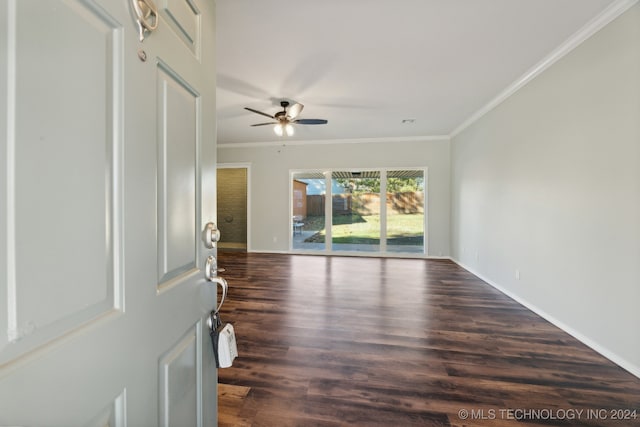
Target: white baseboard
{"points": [[266, 251], [407, 255], [620, 361]]}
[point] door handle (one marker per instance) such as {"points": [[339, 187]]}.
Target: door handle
{"points": [[211, 274], [146, 16], [224, 285]]}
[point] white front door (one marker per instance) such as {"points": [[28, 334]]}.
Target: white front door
{"points": [[107, 179]]}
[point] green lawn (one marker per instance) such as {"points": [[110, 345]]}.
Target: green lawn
{"points": [[365, 229]]}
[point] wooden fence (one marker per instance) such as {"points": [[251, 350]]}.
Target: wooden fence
{"points": [[367, 203]]}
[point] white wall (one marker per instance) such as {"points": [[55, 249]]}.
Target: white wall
{"points": [[548, 183], [270, 166]]}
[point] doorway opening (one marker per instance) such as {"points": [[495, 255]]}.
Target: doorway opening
{"points": [[233, 207]]}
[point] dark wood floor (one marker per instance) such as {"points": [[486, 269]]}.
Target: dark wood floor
{"points": [[345, 341]]}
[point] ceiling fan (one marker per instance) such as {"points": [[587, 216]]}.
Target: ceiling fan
{"points": [[286, 118]]}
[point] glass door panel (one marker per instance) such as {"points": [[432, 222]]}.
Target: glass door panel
{"points": [[355, 211], [405, 211], [308, 210]]}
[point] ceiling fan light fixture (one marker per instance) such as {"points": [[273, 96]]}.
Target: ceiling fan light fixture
{"points": [[284, 120], [289, 129], [283, 128]]}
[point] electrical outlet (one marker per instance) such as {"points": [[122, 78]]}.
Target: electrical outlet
{"points": [[517, 274]]}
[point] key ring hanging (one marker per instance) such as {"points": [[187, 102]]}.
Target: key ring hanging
{"points": [[214, 321]]}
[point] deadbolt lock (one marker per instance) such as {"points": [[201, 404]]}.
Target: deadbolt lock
{"points": [[211, 235]]}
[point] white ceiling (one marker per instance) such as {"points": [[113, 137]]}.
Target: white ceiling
{"points": [[366, 65]]}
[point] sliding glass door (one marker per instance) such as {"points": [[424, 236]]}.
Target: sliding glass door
{"points": [[368, 211]]}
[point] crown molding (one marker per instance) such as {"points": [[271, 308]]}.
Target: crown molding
{"points": [[614, 10], [288, 142]]}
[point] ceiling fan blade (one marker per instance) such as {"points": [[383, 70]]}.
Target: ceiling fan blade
{"points": [[295, 110], [259, 112], [311, 122], [265, 124]]}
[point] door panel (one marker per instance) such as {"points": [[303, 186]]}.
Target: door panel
{"points": [[59, 174], [106, 183], [180, 373], [356, 216], [114, 415], [178, 123], [183, 17]]}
